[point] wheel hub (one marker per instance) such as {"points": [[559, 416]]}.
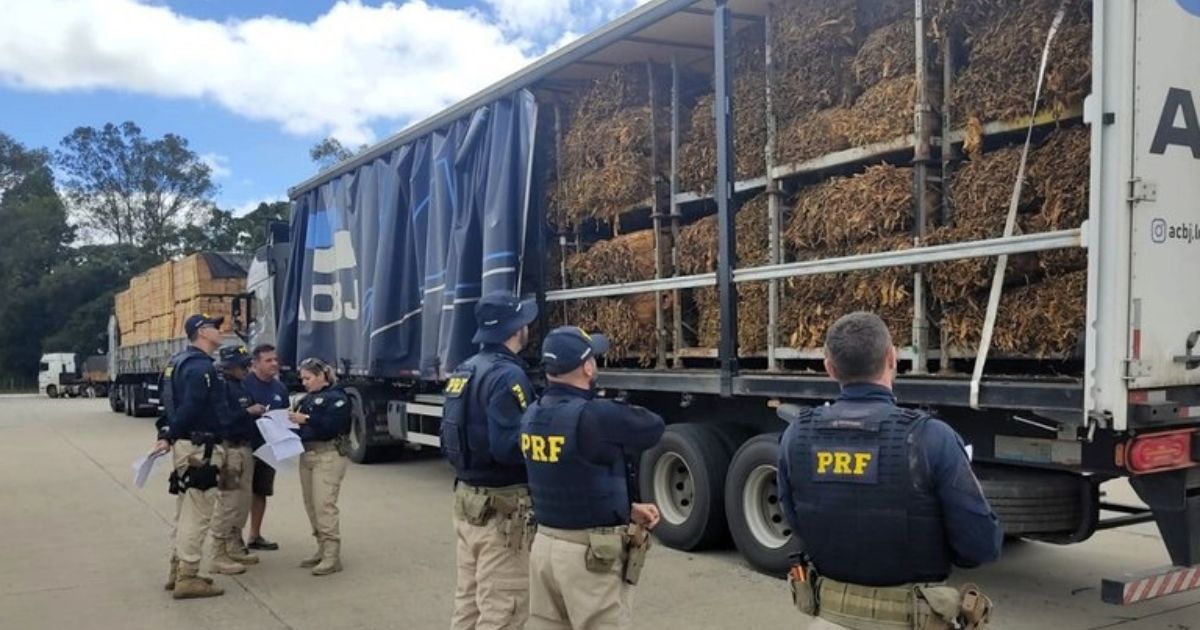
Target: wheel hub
{"points": [[764, 514], [674, 488]]}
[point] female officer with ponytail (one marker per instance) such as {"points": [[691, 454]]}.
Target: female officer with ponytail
{"points": [[324, 418]]}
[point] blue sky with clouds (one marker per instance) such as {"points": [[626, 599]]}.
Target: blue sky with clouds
{"points": [[253, 84]]}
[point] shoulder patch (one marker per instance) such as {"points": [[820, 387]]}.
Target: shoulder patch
{"points": [[319, 401], [457, 384], [340, 403], [519, 392]]}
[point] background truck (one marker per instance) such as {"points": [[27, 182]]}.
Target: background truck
{"points": [[146, 327], [70, 375], [714, 183]]}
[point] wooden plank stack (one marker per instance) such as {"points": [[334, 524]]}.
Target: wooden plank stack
{"points": [[159, 301]]}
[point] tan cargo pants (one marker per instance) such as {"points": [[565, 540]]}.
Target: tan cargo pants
{"points": [[565, 595], [234, 494], [322, 470], [193, 508], [492, 591]]}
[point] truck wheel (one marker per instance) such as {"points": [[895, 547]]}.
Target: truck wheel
{"points": [[114, 400], [1032, 502], [684, 475], [52, 391], [90, 391], [361, 432], [752, 506]]}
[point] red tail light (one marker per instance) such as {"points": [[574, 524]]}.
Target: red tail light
{"points": [[1160, 451]]}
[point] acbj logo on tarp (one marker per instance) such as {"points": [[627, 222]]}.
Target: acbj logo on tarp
{"points": [[332, 249]]}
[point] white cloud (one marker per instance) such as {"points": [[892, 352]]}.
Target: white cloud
{"points": [[218, 164], [545, 22], [336, 75]]}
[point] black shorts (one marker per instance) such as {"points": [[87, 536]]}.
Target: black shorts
{"points": [[264, 479]]}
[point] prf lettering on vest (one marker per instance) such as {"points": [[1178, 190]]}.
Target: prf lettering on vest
{"points": [[854, 464], [542, 448]]}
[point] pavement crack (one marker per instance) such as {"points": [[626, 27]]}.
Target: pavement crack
{"points": [[1126, 620]]}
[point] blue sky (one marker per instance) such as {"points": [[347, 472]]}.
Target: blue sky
{"points": [[252, 84]]}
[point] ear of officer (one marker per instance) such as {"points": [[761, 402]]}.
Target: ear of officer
{"points": [[881, 496]]}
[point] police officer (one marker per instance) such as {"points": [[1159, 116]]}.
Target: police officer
{"points": [[592, 537], [193, 402], [324, 418], [882, 497], [480, 435], [237, 477]]}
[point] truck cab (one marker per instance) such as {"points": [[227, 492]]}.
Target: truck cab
{"points": [[50, 368]]}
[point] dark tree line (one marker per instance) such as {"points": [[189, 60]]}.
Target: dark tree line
{"points": [[121, 203]]}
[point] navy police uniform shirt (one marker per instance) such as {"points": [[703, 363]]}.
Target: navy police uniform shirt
{"points": [[328, 415], [239, 425], [200, 405], [938, 458], [609, 429]]}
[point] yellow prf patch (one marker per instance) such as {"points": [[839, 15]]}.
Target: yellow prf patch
{"points": [[538, 448], [519, 392], [456, 385], [855, 464], [167, 372]]}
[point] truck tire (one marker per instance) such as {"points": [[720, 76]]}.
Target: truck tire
{"points": [[1032, 502], [127, 400], [52, 391], [90, 391], [362, 433], [114, 400], [756, 521], [684, 475]]}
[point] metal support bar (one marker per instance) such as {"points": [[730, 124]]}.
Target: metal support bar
{"points": [[676, 305], [1012, 245], [657, 203], [726, 227], [1125, 521], [949, 156], [654, 41], [733, 14], [562, 238], [774, 200], [922, 130], [1123, 509]]}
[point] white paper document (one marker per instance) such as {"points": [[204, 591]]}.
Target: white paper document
{"points": [[280, 417], [143, 466], [281, 443]]}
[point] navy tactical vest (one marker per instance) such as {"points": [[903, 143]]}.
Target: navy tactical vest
{"points": [[568, 491], [167, 384], [464, 428], [864, 518]]}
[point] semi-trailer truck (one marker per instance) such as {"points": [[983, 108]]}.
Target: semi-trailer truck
{"points": [[388, 251]]}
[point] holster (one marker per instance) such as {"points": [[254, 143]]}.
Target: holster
{"points": [[474, 508], [514, 516], [803, 584], [174, 485], [945, 607], [203, 477], [604, 551], [637, 546]]}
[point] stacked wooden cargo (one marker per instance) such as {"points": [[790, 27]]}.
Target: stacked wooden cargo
{"points": [[158, 302], [845, 78]]}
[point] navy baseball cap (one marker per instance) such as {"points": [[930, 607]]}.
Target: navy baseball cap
{"points": [[233, 355], [499, 316], [200, 320], [567, 347]]}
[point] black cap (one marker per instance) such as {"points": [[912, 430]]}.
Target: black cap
{"points": [[567, 347], [233, 355], [499, 316], [200, 320]]}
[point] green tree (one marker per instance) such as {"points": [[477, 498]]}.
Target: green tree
{"points": [[224, 232], [35, 240], [134, 190], [330, 151]]}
